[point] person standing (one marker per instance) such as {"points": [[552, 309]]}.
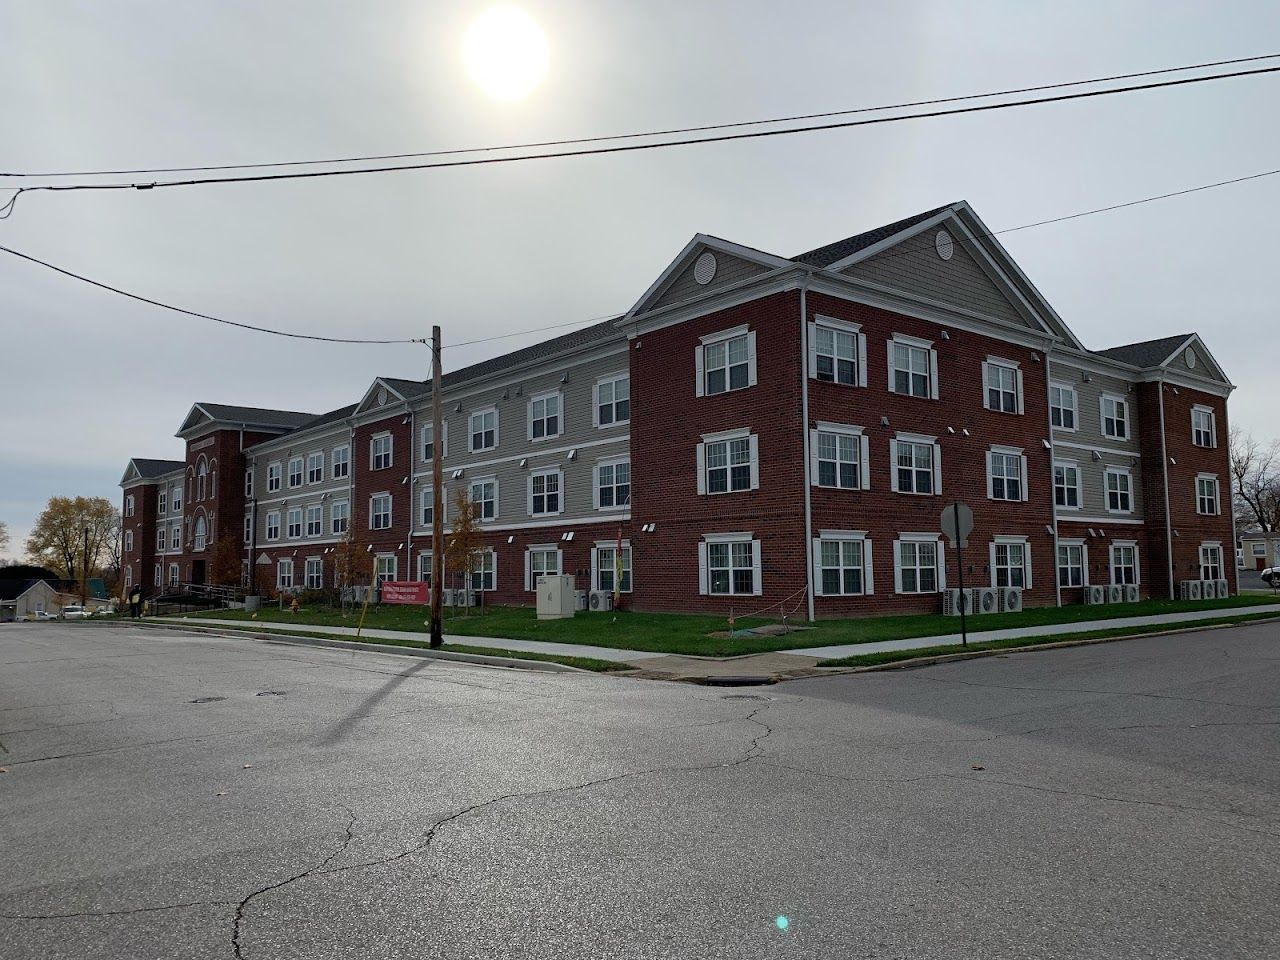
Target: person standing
{"points": [[135, 603]]}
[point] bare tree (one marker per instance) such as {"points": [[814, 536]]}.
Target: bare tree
{"points": [[1255, 481], [58, 538]]}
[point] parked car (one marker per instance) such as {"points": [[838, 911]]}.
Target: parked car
{"points": [[40, 615], [75, 612], [1271, 576]]}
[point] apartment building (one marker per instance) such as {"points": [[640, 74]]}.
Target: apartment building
{"points": [[756, 431]]}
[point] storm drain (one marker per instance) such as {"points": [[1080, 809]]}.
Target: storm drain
{"points": [[270, 693], [207, 699]]}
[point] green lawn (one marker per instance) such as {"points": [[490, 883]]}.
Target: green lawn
{"points": [[688, 633]]}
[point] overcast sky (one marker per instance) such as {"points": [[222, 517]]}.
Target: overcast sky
{"points": [[88, 379]]}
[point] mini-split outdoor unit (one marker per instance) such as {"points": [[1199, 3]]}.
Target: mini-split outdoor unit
{"points": [[1010, 599], [1209, 589], [1130, 593], [1095, 595], [580, 600], [1224, 589], [986, 599], [446, 597], [952, 600], [601, 600], [1115, 593], [1189, 590]]}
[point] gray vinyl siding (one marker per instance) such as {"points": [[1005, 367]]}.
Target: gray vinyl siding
{"points": [[1202, 368], [914, 266], [336, 436], [729, 270]]}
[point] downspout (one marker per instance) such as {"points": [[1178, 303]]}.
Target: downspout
{"points": [[1168, 521], [409, 513], [804, 439], [1053, 496]]}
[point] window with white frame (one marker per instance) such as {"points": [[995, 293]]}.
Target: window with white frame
{"points": [[315, 467], [175, 497], [916, 565], [160, 538], [1210, 561], [128, 541], [162, 503], [202, 476], [1006, 474], [1072, 568], [613, 484], [544, 416], [609, 564], [1063, 406], [540, 561], [1010, 562], [484, 430], [837, 352], [284, 573], [175, 537], [484, 497], [1259, 549], [274, 474], [380, 449], [128, 576], [1203, 427], [426, 506], [173, 574], [613, 400], [159, 577], [201, 537], [380, 511], [1119, 490], [1066, 485], [314, 573], [1003, 383], [544, 493], [385, 567], [428, 441], [273, 525], [1207, 494], [248, 529], [913, 367], [424, 566], [339, 517], [315, 520], [730, 566], [839, 455], [248, 483], [1115, 417], [728, 463], [295, 472], [843, 566], [916, 464], [293, 524], [341, 462], [484, 576], [129, 505], [726, 361], [1124, 563]]}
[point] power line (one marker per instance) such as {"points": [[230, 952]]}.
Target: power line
{"points": [[503, 336], [630, 148], [650, 133]]}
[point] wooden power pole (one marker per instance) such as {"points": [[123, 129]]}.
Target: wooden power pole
{"points": [[437, 492]]}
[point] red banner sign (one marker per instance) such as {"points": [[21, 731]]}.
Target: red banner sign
{"points": [[404, 591]]}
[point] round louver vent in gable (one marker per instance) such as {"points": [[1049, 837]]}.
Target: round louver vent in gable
{"points": [[704, 268], [382, 398], [1190, 357], [944, 245]]}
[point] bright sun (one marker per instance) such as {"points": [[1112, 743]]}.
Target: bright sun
{"points": [[505, 51]]}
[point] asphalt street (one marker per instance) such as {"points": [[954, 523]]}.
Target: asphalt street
{"points": [[171, 795]]}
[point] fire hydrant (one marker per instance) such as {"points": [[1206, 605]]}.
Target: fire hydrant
{"points": [[293, 605]]}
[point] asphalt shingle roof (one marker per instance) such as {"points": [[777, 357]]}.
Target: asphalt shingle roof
{"points": [[832, 252], [150, 469], [1148, 353], [256, 415]]}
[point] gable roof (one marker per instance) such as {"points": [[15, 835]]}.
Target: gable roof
{"points": [[150, 469], [831, 253], [247, 416], [1147, 353]]}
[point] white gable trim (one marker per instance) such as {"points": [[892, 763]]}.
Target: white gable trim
{"points": [[681, 260]]}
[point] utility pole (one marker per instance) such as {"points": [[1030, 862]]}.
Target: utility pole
{"points": [[437, 491], [84, 570]]}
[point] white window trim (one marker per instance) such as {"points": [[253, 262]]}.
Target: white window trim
{"points": [[1079, 488], [306, 572], [595, 483], [1026, 557], [302, 472], [424, 495], [529, 418], [288, 524], [444, 441], [497, 503], [1084, 559], [1213, 426], [491, 553], [724, 436], [471, 432], [595, 399], [704, 569], [893, 463], [897, 562], [838, 536], [543, 472], [532, 548], [1106, 488], [1222, 558], [1217, 494], [595, 562], [1075, 406], [1102, 416], [267, 529], [864, 453], [860, 344], [282, 564], [390, 509], [278, 468], [391, 450], [346, 503], [1022, 469], [933, 364], [333, 463], [1016, 367], [717, 337], [395, 567], [314, 454], [1137, 560]]}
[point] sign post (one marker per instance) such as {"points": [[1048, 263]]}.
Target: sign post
{"points": [[957, 524]]}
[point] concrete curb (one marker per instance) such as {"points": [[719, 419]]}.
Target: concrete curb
{"points": [[479, 659]]}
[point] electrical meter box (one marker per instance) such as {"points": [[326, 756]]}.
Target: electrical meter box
{"points": [[555, 597]]}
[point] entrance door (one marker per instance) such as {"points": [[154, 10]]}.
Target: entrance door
{"points": [[197, 571]]}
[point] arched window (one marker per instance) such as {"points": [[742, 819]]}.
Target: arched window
{"points": [[202, 472], [201, 532]]}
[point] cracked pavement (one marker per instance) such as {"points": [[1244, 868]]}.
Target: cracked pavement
{"points": [[1117, 800]]}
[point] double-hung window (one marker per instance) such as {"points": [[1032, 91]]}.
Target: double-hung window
{"points": [[916, 464], [1124, 563], [1071, 564], [160, 538], [315, 520], [913, 367], [295, 472], [613, 484], [837, 352], [1066, 485], [1115, 417], [248, 483], [1062, 406], [729, 565], [607, 566], [540, 561], [315, 467], [728, 463], [544, 416], [484, 430], [315, 573], [339, 517], [916, 565], [1119, 490], [248, 528], [386, 567], [726, 361], [175, 537], [613, 400], [161, 503], [1010, 562], [380, 452], [294, 529], [284, 573], [175, 498], [1003, 385], [484, 498], [428, 441], [843, 565], [1210, 561], [173, 574], [426, 506], [424, 566], [485, 574], [273, 525], [544, 493], [1203, 427], [273, 477], [380, 511], [1207, 494], [839, 455], [129, 505], [1006, 470], [341, 462], [128, 541]]}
